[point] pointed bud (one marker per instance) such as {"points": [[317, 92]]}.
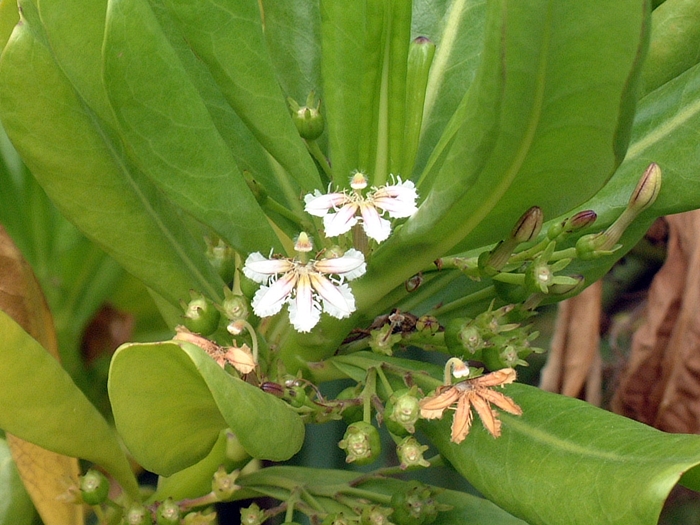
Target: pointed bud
{"points": [[528, 226], [647, 189], [579, 221]]}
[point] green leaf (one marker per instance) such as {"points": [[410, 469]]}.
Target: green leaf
{"points": [[675, 30], [171, 400], [40, 404], [15, 505], [228, 37], [587, 464], [105, 195], [524, 135], [350, 62], [191, 162]]}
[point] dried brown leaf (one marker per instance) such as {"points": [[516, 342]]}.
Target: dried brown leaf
{"points": [[661, 385]]}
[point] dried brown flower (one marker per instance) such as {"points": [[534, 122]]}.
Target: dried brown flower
{"points": [[470, 393]]}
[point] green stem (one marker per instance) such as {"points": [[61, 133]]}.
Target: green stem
{"points": [[272, 205], [318, 155], [384, 499], [568, 253]]}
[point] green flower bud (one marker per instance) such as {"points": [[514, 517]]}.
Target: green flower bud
{"points": [[416, 505], [576, 222], [137, 514], [201, 316], [307, 119], [94, 487], [375, 515], [528, 226], [252, 515], [223, 485], [168, 513], [410, 453], [361, 443], [647, 189]]}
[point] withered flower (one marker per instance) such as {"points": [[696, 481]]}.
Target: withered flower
{"points": [[239, 357], [475, 392]]}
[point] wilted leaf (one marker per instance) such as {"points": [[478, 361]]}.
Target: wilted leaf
{"points": [[573, 364], [660, 386]]}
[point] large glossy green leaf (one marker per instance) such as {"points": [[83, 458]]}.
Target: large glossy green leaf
{"points": [[171, 401], [40, 404], [524, 135], [168, 127], [566, 462], [89, 177]]}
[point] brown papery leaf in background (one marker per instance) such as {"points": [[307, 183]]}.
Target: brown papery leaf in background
{"points": [[661, 384], [46, 475], [574, 366]]}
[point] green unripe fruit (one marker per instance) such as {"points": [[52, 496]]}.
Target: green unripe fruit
{"points": [[138, 515], [168, 513], [402, 411], [361, 443], [94, 487], [201, 316]]}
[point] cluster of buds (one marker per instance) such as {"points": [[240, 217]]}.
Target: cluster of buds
{"points": [[491, 338], [417, 504]]}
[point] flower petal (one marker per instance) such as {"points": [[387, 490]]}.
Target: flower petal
{"points": [[304, 311], [338, 300], [338, 223], [260, 269], [350, 265], [268, 300], [375, 227], [398, 199], [318, 204], [432, 407], [462, 420]]}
